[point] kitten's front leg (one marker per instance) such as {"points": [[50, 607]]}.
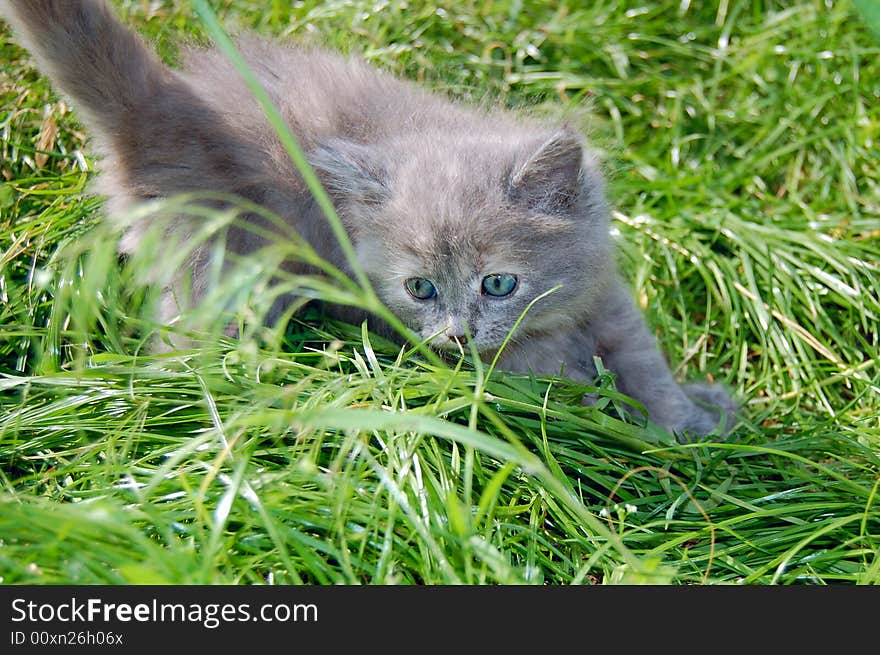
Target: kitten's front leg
{"points": [[620, 337], [630, 351]]}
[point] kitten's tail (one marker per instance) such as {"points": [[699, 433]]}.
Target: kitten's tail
{"points": [[105, 68], [157, 134]]}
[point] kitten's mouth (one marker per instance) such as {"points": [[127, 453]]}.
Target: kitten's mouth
{"points": [[460, 346]]}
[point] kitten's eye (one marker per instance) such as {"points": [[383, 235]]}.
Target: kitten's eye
{"points": [[499, 284], [420, 288]]}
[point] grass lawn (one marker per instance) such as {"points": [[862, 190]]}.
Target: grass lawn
{"points": [[740, 140]]}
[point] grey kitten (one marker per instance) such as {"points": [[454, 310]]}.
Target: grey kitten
{"points": [[460, 217]]}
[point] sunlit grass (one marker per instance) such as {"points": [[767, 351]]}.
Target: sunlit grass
{"points": [[740, 145]]}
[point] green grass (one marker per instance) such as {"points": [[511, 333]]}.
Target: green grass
{"points": [[740, 142]]}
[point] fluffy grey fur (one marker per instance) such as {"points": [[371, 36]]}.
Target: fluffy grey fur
{"points": [[426, 189]]}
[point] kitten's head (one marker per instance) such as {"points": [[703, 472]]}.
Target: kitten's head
{"points": [[460, 233]]}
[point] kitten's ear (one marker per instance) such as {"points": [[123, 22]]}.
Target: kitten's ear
{"points": [[550, 177], [352, 173]]}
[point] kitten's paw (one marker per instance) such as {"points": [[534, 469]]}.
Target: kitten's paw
{"points": [[713, 411]]}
